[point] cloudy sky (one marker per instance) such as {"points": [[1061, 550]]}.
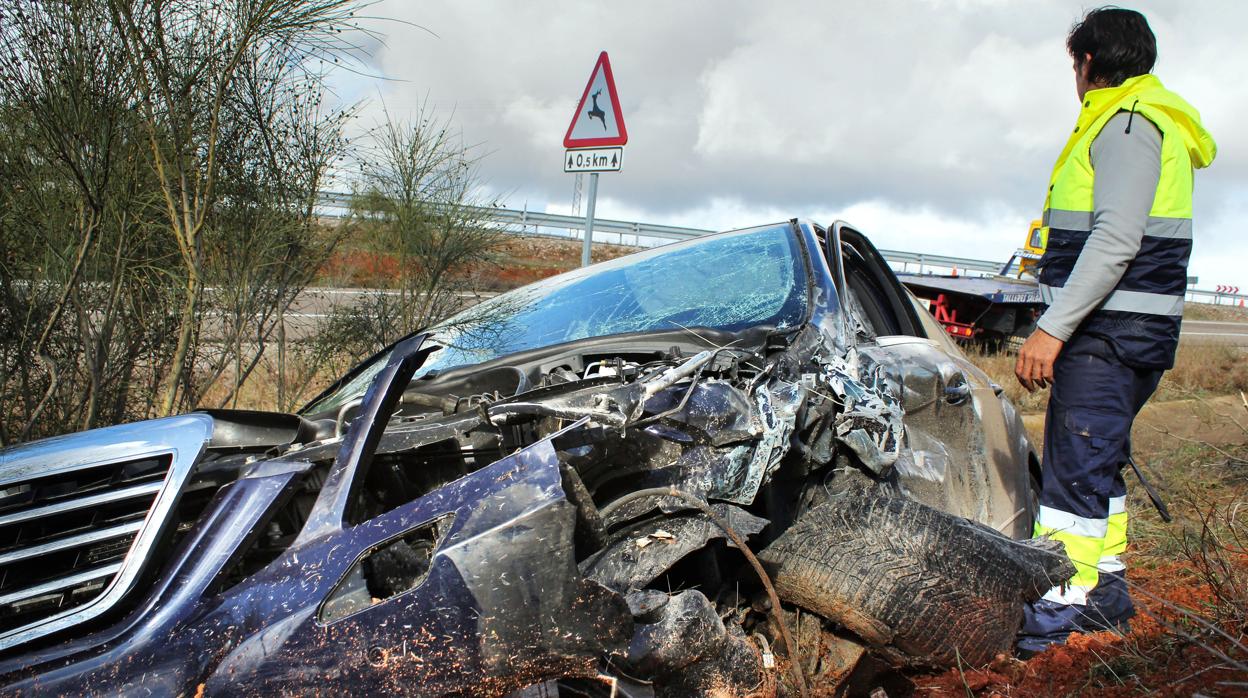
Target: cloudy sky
{"points": [[930, 124]]}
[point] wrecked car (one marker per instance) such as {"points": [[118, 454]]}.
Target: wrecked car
{"points": [[747, 464]]}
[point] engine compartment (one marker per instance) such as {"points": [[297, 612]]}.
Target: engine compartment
{"points": [[717, 422], [754, 428]]}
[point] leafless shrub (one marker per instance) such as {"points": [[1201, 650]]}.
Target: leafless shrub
{"points": [[1218, 552], [158, 167], [419, 202]]}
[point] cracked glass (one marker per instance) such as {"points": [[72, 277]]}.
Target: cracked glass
{"points": [[730, 282]]}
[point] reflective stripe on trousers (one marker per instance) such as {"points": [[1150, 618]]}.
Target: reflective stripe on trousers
{"points": [[1115, 536], [1084, 540]]}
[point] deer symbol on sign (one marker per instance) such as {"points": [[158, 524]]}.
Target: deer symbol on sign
{"points": [[597, 112]]}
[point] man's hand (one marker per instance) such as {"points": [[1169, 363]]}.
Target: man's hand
{"points": [[1035, 360]]}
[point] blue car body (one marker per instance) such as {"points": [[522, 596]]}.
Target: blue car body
{"points": [[256, 553]]}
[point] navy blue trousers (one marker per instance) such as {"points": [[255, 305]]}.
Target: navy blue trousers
{"points": [[1087, 441]]}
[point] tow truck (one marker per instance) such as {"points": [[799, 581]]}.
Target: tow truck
{"points": [[998, 311]]}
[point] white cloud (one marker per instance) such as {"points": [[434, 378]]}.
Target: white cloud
{"points": [[931, 125]]}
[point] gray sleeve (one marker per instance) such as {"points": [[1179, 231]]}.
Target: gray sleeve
{"points": [[1127, 168]]}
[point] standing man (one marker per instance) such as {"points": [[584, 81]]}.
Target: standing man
{"points": [[1119, 212]]}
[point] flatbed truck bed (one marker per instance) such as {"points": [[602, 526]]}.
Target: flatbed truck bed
{"points": [[998, 311]]}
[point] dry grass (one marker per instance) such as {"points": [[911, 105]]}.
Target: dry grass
{"points": [[1199, 370], [1205, 369], [305, 380], [1208, 311], [1199, 562]]}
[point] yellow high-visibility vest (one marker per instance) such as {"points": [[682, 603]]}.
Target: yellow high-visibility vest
{"points": [[1141, 315]]}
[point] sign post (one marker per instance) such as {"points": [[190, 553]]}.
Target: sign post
{"points": [[589, 219], [595, 138]]}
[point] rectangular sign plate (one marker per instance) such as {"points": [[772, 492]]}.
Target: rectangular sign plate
{"points": [[593, 160]]}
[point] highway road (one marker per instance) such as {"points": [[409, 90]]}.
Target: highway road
{"points": [[1213, 331]]}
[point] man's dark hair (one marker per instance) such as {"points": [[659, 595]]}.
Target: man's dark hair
{"points": [[1119, 41]]}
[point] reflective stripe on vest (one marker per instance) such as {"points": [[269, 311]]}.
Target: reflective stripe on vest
{"points": [[1128, 301], [1157, 226], [1051, 519]]}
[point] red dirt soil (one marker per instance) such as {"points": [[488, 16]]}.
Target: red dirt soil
{"points": [[1150, 660]]}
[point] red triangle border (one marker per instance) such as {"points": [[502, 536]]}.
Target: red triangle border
{"points": [[605, 64]]}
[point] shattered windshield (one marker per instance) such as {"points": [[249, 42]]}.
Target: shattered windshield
{"points": [[727, 282]]}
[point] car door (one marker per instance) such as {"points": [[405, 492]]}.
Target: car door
{"points": [[960, 456]]}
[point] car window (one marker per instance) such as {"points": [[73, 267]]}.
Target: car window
{"points": [[875, 301], [868, 300], [728, 282]]}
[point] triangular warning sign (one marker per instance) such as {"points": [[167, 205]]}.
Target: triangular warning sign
{"points": [[598, 121]]}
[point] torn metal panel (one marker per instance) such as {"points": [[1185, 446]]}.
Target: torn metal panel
{"points": [[639, 553], [870, 421], [712, 411], [706, 471], [531, 599], [777, 403], [737, 442], [524, 616], [334, 506]]}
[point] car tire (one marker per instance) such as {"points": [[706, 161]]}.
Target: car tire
{"points": [[934, 589]]}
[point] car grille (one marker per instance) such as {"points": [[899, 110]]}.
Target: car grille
{"points": [[80, 518], [63, 538]]}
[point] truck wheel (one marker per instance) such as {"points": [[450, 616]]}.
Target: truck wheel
{"points": [[1014, 342], [906, 577]]}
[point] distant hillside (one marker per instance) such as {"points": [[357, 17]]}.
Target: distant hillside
{"points": [[1208, 311], [519, 260]]}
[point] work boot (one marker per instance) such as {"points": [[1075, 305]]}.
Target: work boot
{"points": [[1047, 623], [1109, 604]]}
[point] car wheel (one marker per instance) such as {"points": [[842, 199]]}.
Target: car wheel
{"points": [[938, 589]]}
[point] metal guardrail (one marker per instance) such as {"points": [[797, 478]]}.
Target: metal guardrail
{"points": [[511, 218], [1214, 298], [937, 260], [533, 223]]}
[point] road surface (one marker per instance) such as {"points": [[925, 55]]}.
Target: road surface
{"points": [[1213, 331]]}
